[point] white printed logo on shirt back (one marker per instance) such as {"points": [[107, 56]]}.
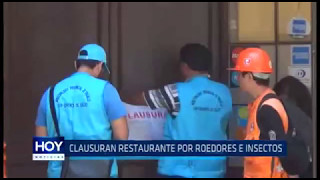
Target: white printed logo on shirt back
{"points": [[272, 135]]}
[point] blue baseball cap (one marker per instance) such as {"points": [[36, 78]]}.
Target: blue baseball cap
{"points": [[93, 52]]}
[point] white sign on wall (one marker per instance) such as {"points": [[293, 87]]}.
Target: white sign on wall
{"points": [[303, 73], [145, 123], [299, 27], [301, 54]]}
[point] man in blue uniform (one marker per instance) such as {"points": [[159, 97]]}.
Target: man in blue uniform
{"points": [[199, 110], [87, 108]]}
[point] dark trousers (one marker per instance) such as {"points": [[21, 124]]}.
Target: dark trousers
{"points": [[138, 168]]}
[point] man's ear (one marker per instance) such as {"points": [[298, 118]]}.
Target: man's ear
{"points": [[185, 65], [98, 67], [101, 66], [250, 75]]}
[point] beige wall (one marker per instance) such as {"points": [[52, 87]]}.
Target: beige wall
{"points": [[288, 10], [256, 21]]}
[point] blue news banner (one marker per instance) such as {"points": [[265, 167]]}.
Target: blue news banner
{"points": [[45, 148]]}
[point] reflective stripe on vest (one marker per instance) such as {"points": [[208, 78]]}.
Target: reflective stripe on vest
{"points": [[263, 167]]}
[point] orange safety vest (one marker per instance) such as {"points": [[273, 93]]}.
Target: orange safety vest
{"points": [[263, 167], [4, 161]]}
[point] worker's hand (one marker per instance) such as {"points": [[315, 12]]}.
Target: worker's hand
{"points": [[41, 131], [120, 129]]}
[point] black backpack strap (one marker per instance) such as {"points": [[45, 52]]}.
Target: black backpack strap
{"points": [[53, 111], [65, 163], [266, 97]]}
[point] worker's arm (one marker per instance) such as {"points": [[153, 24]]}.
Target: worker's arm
{"points": [[41, 131], [41, 123], [270, 124], [116, 112], [165, 97], [120, 129]]}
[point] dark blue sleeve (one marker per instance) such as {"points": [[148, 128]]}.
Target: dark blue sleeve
{"points": [[114, 106], [42, 109]]}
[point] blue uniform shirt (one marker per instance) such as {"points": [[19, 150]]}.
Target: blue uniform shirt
{"points": [[112, 102], [199, 109]]}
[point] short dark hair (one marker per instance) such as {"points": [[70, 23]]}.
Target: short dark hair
{"points": [[90, 63], [196, 56], [259, 81]]}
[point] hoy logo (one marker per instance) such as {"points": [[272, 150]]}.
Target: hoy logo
{"points": [[46, 149], [48, 146]]}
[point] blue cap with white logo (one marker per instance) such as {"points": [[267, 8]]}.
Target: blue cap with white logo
{"points": [[93, 52]]}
